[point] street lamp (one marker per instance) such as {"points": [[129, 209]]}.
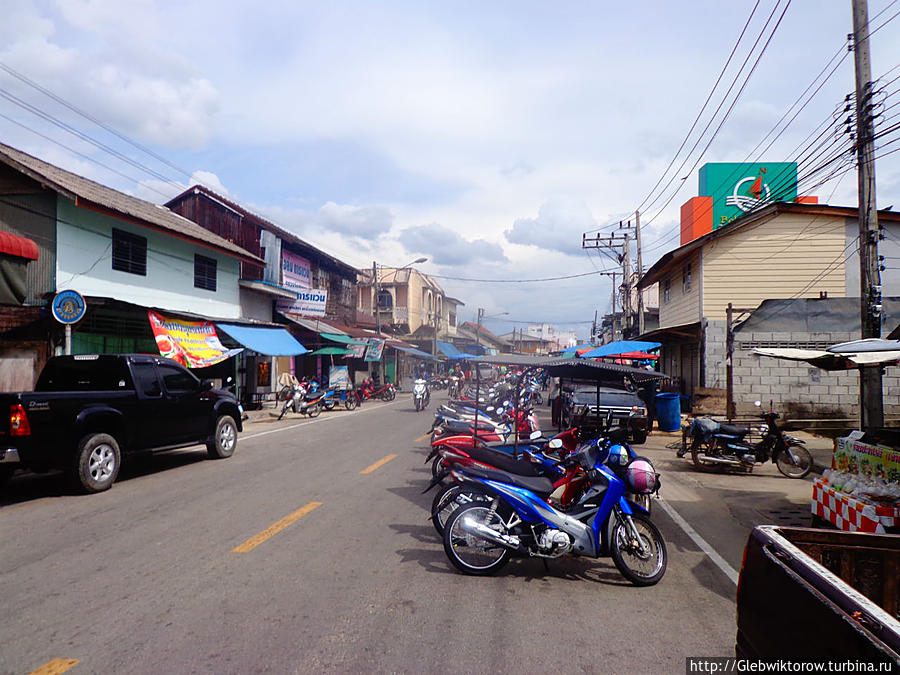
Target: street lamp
{"points": [[481, 316], [378, 289]]}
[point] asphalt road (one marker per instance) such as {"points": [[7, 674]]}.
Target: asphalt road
{"points": [[310, 551]]}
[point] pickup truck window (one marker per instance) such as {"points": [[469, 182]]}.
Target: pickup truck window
{"points": [[100, 374], [177, 380], [146, 380]]}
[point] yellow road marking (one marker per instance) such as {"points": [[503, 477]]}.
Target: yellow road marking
{"points": [[54, 667], [269, 532], [380, 463], [423, 437]]}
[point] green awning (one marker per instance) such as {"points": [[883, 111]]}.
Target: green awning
{"points": [[333, 351], [343, 339]]}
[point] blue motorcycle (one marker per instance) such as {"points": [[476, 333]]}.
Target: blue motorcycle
{"points": [[480, 538]]}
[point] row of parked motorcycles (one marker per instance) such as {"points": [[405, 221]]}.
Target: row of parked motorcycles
{"points": [[506, 490], [307, 397]]}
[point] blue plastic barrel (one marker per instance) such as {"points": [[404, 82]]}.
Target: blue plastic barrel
{"points": [[668, 412]]}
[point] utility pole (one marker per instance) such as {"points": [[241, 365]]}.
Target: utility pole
{"points": [[871, 404], [627, 319], [614, 293], [478, 327], [380, 365], [640, 270], [612, 242]]}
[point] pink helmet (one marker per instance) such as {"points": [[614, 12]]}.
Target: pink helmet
{"points": [[641, 477]]}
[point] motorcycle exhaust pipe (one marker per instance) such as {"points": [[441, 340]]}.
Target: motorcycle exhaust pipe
{"points": [[470, 526], [721, 460]]}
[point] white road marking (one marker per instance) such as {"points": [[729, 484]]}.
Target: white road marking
{"points": [[358, 411], [704, 545]]}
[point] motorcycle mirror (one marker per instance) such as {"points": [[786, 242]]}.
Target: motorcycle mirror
{"points": [[757, 403], [556, 443], [534, 435], [490, 408]]}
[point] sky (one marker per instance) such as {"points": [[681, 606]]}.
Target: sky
{"points": [[487, 137]]}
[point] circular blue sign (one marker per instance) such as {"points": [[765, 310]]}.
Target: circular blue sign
{"points": [[68, 307]]}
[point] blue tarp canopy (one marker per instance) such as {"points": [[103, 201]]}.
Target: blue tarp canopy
{"points": [[448, 349], [268, 341], [572, 350], [621, 347], [418, 353]]}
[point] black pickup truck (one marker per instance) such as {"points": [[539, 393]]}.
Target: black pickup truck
{"points": [[86, 412], [815, 595]]}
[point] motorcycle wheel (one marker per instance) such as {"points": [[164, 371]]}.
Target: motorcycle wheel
{"points": [[641, 569], [350, 401], [329, 405], [391, 394], [447, 500], [283, 410], [469, 553], [696, 449], [313, 410], [418, 404], [794, 469], [437, 466]]}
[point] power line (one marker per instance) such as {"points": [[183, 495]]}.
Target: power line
{"points": [[519, 281], [88, 116], [703, 108]]}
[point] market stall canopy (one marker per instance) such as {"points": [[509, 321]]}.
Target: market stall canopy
{"points": [[842, 356], [448, 349], [576, 369], [418, 353], [332, 351], [577, 349], [620, 347], [866, 345], [343, 339], [265, 340]]}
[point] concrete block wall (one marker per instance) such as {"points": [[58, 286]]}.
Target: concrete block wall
{"points": [[715, 354], [798, 389]]}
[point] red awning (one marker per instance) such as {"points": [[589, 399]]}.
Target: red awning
{"points": [[11, 244]]}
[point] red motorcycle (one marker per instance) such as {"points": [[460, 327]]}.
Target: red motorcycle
{"points": [[488, 432], [386, 392]]}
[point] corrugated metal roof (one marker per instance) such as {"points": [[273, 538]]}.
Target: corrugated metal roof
{"points": [[264, 223], [152, 215]]}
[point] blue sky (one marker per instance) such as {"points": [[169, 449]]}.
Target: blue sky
{"points": [[486, 136]]}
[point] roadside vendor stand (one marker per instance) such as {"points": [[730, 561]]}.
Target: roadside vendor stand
{"points": [[861, 490]]}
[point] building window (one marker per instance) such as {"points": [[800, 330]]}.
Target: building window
{"points": [[385, 300], [129, 252], [667, 291], [686, 279], [204, 273]]}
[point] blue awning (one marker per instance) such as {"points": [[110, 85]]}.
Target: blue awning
{"points": [[268, 341], [418, 353], [620, 347], [448, 349]]}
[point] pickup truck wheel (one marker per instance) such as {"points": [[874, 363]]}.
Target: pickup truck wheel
{"points": [[96, 463], [6, 472], [224, 439]]}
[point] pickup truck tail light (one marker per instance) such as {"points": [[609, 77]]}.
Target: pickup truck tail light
{"points": [[18, 421]]}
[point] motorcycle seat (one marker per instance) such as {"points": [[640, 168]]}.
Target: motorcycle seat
{"points": [[537, 484], [732, 430], [503, 461]]}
